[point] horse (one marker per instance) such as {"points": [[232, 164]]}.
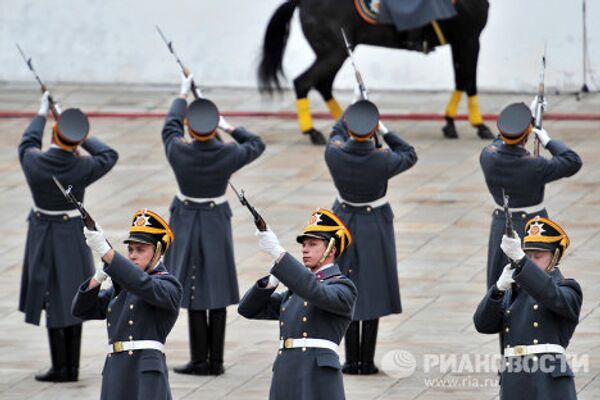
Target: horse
{"points": [[322, 21]]}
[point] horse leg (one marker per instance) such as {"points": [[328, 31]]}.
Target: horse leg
{"points": [[324, 68], [302, 85], [449, 129], [470, 54], [325, 85]]}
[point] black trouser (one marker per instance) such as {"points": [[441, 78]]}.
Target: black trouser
{"points": [[207, 342], [65, 349], [360, 347]]}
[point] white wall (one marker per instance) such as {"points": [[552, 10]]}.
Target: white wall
{"points": [[115, 41]]}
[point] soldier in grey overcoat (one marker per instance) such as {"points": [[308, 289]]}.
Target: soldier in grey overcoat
{"points": [[56, 257], [140, 309], [536, 310], [507, 165], [202, 257], [313, 313], [360, 172]]}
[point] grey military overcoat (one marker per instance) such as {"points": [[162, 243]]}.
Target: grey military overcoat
{"points": [[139, 306], [56, 259], [360, 173], [202, 257], [545, 310], [524, 180], [313, 308]]}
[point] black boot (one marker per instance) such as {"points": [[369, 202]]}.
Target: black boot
{"points": [[198, 332], [73, 346], [216, 333], [58, 371], [352, 346], [367, 347]]}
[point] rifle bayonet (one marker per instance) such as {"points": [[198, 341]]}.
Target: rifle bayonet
{"points": [[359, 81], [54, 108]]}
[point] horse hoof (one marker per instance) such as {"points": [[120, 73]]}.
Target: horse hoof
{"points": [[450, 130], [484, 132], [316, 137]]}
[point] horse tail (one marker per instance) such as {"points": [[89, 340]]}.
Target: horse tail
{"points": [[271, 69]]}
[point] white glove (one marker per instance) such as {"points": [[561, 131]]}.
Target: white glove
{"points": [[186, 84], [44, 104], [273, 281], [100, 276], [382, 128], [224, 125], [542, 135], [505, 279], [512, 247], [533, 105], [268, 242], [96, 240]]}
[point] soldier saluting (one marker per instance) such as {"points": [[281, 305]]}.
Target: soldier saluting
{"points": [[140, 308], [202, 258], [360, 172], [538, 321], [508, 166], [56, 257], [313, 313]]}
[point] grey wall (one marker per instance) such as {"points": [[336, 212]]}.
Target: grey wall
{"points": [[115, 41]]}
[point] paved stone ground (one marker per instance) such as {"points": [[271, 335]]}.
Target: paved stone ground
{"points": [[442, 214]]}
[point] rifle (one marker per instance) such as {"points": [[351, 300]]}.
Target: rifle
{"points": [[186, 72], [539, 107], [510, 232], [197, 92], [258, 220], [359, 80], [87, 219], [54, 108]]}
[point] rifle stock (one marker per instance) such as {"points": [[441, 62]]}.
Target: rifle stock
{"points": [[259, 221]]}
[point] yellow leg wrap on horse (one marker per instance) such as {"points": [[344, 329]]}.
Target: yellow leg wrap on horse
{"points": [[304, 117], [334, 108], [452, 107], [474, 113]]}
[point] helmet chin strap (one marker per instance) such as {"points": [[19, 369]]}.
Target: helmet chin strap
{"points": [[326, 252], [554, 261], [157, 253]]}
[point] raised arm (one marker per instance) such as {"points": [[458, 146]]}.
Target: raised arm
{"points": [[564, 162], [173, 131], [489, 315], [91, 303], [102, 158], [336, 298], [163, 292], [402, 155], [32, 137], [260, 302], [250, 146], [563, 298]]}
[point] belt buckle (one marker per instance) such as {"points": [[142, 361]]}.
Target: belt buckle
{"points": [[288, 343], [117, 347], [520, 350]]}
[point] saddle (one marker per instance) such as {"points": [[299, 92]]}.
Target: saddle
{"points": [[410, 16], [404, 14]]}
